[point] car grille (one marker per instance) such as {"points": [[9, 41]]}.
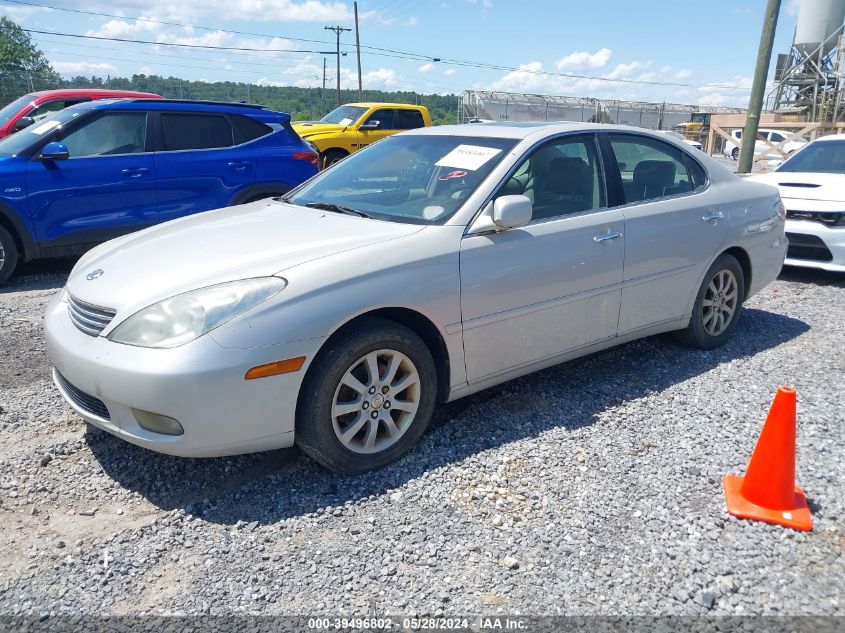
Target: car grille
{"points": [[88, 318], [84, 401], [828, 219], [807, 247]]}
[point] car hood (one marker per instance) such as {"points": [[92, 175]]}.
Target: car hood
{"points": [[252, 240], [308, 129], [805, 185]]}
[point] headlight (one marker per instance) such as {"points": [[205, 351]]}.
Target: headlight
{"points": [[181, 319]]}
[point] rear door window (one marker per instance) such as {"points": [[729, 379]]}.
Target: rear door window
{"points": [[650, 168], [195, 131], [409, 119]]}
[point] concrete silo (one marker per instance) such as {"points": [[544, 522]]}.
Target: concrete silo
{"points": [[808, 79]]}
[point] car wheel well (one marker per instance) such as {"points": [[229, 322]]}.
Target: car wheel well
{"points": [[335, 153], [10, 228], [422, 327], [744, 261]]}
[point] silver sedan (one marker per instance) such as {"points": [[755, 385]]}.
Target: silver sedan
{"points": [[426, 267]]}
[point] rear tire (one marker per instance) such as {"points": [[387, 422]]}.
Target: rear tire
{"points": [[368, 397], [735, 153], [718, 305], [8, 255]]}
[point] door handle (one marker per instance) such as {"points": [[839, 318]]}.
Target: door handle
{"points": [[713, 217], [238, 164], [134, 172], [610, 235]]}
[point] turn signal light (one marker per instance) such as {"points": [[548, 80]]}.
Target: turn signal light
{"points": [[274, 369]]}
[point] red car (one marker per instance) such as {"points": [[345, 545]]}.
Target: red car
{"points": [[26, 110]]}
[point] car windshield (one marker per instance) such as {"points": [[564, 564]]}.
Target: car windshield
{"points": [[13, 108], [824, 156], [420, 179], [21, 141], [344, 115]]}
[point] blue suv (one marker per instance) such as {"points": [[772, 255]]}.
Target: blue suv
{"points": [[101, 169]]}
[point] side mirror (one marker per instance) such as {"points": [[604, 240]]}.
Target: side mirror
{"points": [[370, 125], [511, 211], [54, 151], [23, 122]]}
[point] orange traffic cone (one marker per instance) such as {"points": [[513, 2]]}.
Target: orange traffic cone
{"points": [[767, 492]]}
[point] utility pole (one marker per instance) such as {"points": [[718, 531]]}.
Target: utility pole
{"points": [[758, 87], [337, 30], [323, 91], [358, 52]]}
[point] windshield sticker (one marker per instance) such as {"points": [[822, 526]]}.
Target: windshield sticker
{"points": [[467, 157], [458, 173], [44, 127], [345, 121]]}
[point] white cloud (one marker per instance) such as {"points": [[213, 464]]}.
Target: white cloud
{"points": [[449, 72], [625, 71], [21, 13], [73, 69], [582, 59], [425, 68], [532, 77], [253, 10]]}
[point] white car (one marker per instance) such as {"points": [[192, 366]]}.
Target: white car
{"points": [[773, 136], [812, 186], [681, 137], [431, 265]]}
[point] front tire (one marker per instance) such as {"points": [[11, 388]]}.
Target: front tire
{"points": [[368, 397], [735, 153], [332, 156], [8, 255], [717, 305]]}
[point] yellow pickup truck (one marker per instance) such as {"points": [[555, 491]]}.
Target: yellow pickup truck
{"points": [[350, 127]]}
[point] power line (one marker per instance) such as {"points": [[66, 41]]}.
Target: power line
{"points": [[176, 44], [162, 22]]}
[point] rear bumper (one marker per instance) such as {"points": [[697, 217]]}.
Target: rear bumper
{"points": [[814, 245], [200, 384]]}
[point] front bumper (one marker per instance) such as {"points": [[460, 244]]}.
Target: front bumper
{"points": [[200, 384], [814, 245]]}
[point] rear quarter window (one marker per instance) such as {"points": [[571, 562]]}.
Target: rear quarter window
{"points": [[246, 129]]}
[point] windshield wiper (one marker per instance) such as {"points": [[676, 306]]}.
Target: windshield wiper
{"points": [[337, 208]]}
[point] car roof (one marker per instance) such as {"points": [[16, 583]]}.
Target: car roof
{"points": [[179, 105], [524, 129], [92, 92], [371, 104], [830, 137]]}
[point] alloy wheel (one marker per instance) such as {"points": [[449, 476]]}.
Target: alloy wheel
{"points": [[376, 401], [720, 302], [2, 255]]}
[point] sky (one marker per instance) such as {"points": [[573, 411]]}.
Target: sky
{"points": [[682, 52]]}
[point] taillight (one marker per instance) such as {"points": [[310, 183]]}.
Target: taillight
{"points": [[780, 210], [311, 157]]}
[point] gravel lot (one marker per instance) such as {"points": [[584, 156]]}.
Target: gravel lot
{"points": [[590, 488]]}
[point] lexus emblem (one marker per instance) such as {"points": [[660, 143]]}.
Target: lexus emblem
{"points": [[94, 274]]}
